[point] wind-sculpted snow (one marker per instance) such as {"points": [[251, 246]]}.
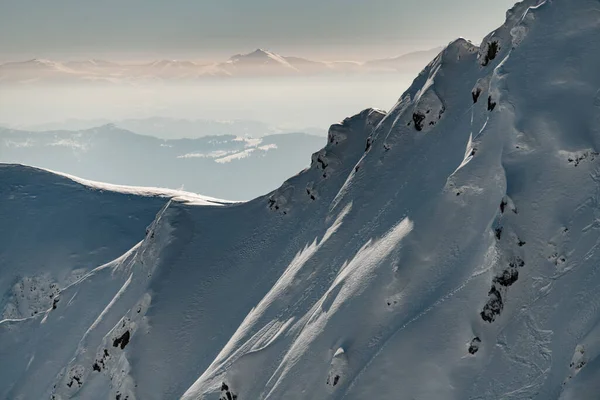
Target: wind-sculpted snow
{"points": [[56, 230], [447, 249]]}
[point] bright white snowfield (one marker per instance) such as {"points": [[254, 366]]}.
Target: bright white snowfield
{"points": [[447, 249]]}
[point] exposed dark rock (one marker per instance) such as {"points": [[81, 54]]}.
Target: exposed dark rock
{"points": [[74, 379], [508, 277], [503, 204], [591, 155], [492, 51], [491, 105], [518, 262], [474, 346], [336, 379], [322, 163], [476, 94], [418, 119], [493, 307], [96, 367], [369, 142], [498, 232], [122, 341], [226, 393]]}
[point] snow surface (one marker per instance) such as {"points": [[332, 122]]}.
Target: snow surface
{"points": [[446, 249]]}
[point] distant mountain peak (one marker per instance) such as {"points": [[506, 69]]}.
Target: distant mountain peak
{"points": [[258, 54], [41, 62], [261, 61]]}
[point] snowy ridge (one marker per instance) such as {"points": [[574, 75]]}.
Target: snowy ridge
{"points": [[447, 249], [178, 195]]}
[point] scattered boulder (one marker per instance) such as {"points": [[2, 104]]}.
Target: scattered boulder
{"points": [[475, 94], [503, 204], [508, 277], [99, 364], [428, 110], [491, 105], [122, 341], [500, 283], [75, 376], [474, 345], [498, 232], [339, 364], [418, 119], [576, 158], [226, 393], [492, 51], [578, 361], [493, 307], [31, 295], [369, 143]]}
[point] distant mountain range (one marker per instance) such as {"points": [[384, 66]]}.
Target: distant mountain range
{"points": [[171, 128], [255, 64], [224, 166]]}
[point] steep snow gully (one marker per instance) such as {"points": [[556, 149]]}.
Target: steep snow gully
{"points": [[447, 249]]}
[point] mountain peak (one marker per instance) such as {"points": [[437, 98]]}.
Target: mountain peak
{"points": [[260, 53], [260, 61]]}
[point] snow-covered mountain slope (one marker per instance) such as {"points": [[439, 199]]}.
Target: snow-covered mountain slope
{"points": [[61, 229], [258, 62], [446, 249], [36, 70]]}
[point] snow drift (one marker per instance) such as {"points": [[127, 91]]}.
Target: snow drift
{"points": [[447, 249]]}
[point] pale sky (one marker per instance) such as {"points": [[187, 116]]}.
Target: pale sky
{"points": [[216, 29]]}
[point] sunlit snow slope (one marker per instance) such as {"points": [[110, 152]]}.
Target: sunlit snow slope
{"points": [[447, 249]]}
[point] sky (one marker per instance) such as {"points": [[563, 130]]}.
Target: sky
{"points": [[216, 29]]}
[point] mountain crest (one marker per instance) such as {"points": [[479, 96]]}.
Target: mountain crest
{"points": [[347, 143]]}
